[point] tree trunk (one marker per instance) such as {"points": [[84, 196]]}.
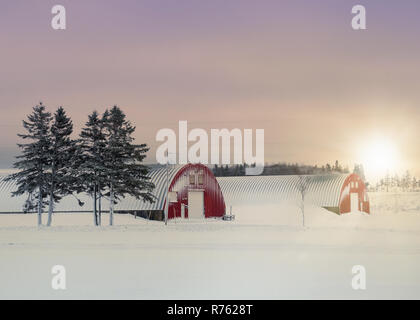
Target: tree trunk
{"points": [[303, 214], [95, 218], [39, 206], [100, 206], [51, 204], [50, 208], [303, 210], [100, 209], [111, 207]]}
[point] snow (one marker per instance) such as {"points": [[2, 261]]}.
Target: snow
{"points": [[264, 254]]}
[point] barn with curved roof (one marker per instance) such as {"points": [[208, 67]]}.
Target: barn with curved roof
{"points": [[340, 193], [193, 193]]}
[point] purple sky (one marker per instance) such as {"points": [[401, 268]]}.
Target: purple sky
{"points": [[294, 68]]}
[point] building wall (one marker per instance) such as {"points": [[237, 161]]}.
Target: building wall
{"points": [[176, 175], [354, 184], [323, 190], [330, 191], [214, 204]]}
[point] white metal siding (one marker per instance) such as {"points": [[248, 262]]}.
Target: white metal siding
{"points": [[323, 190], [157, 174]]}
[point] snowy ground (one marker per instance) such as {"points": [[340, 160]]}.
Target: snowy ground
{"points": [[263, 254]]}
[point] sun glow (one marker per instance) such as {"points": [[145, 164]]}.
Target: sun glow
{"points": [[380, 157]]}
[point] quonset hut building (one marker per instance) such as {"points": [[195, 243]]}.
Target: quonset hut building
{"points": [[339, 193], [194, 192]]}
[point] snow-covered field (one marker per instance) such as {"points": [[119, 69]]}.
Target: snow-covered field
{"points": [[263, 254]]}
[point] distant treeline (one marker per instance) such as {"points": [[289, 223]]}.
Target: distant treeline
{"points": [[396, 183], [281, 169]]}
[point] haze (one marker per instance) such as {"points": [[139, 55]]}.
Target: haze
{"points": [[295, 68]]}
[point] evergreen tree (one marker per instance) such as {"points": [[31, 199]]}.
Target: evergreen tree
{"points": [[32, 177], [226, 171], [336, 166], [90, 161], [216, 170], [124, 171], [406, 181], [359, 170], [387, 181], [396, 181], [60, 156]]}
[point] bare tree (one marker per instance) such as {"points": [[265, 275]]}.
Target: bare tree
{"points": [[303, 185]]}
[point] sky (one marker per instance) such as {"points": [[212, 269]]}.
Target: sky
{"points": [[320, 90]]}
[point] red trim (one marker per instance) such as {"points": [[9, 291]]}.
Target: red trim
{"points": [[214, 204], [359, 188]]}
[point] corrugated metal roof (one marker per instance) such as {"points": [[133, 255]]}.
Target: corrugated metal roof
{"points": [[157, 174], [323, 190]]}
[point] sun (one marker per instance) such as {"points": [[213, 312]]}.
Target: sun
{"points": [[380, 157]]}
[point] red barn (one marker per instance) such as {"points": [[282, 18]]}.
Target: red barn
{"points": [[353, 196], [193, 192], [339, 193]]}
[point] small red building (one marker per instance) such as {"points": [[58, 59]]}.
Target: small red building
{"points": [[193, 192], [353, 196]]}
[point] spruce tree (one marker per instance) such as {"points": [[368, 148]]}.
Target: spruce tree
{"points": [[125, 173], [60, 156], [90, 160], [32, 177]]}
